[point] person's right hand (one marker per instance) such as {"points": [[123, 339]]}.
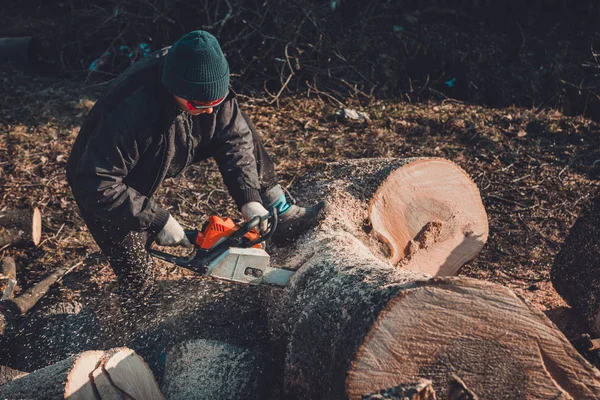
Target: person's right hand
{"points": [[172, 234], [255, 209]]}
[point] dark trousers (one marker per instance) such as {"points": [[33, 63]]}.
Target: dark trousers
{"points": [[127, 251]]}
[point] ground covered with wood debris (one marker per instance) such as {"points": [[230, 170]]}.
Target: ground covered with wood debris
{"points": [[534, 165]]}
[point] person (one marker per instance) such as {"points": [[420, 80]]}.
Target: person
{"points": [[165, 112]]}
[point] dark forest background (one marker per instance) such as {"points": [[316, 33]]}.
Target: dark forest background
{"points": [[526, 53]]}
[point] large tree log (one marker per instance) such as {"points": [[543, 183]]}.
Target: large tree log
{"points": [[20, 227], [207, 369], [68, 379], [576, 269], [350, 310], [354, 324], [121, 374]]}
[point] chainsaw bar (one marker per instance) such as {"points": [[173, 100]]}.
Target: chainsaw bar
{"points": [[233, 258], [277, 276]]}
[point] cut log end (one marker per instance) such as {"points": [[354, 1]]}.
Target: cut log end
{"points": [[130, 374], [78, 384], [478, 332], [430, 214], [20, 227]]}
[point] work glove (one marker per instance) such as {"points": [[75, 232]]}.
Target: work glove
{"points": [[172, 234], [255, 209]]}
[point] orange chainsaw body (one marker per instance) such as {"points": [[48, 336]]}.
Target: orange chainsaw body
{"points": [[218, 228]]}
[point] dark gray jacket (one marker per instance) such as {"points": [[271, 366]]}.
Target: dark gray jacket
{"points": [[135, 136]]}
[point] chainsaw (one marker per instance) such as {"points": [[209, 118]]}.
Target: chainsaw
{"points": [[224, 250]]}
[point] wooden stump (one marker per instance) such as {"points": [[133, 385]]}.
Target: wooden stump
{"points": [[576, 269], [20, 227], [354, 323]]}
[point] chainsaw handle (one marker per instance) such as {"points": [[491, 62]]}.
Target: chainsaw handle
{"points": [[245, 228], [274, 220]]}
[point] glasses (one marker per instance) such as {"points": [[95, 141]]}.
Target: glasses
{"points": [[201, 105]]}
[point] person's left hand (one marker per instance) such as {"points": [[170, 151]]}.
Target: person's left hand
{"points": [[255, 209]]}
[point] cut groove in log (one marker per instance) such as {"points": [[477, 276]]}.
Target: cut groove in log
{"points": [[207, 369], [106, 390], [575, 272], [421, 390], [430, 211], [20, 227]]}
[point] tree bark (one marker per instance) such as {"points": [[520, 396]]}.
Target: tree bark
{"points": [[20, 227], [355, 322], [208, 369], [576, 269]]}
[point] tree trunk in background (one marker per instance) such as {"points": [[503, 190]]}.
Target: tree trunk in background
{"points": [[354, 323], [576, 269], [20, 227]]}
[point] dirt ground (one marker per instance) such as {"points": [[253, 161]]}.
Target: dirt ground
{"points": [[534, 168], [534, 165]]}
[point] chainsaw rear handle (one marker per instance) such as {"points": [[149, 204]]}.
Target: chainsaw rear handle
{"points": [[236, 238], [274, 220]]}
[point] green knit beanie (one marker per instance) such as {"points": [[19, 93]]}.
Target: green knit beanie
{"points": [[196, 69]]}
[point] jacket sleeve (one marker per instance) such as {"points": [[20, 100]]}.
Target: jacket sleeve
{"points": [[111, 152], [233, 150]]}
